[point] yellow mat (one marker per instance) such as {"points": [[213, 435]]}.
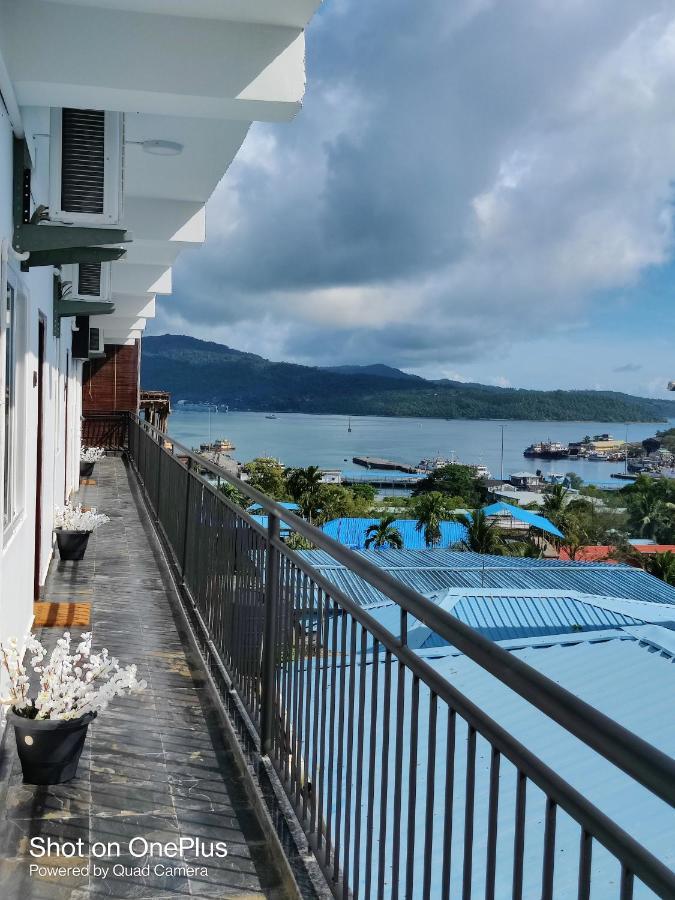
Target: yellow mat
{"points": [[60, 615], [87, 481]]}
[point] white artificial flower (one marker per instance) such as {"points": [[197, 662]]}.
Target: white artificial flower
{"points": [[70, 683], [74, 518], [91, 454]]}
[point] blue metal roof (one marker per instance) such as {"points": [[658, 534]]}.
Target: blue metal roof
{"points": [[523, 515], [502, 616], [263, 520], [352, 532], [613, 675], [432, 571]]}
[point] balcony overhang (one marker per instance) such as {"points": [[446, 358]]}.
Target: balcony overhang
{"points": [[140, 279], [149, 62], [293, 13]]}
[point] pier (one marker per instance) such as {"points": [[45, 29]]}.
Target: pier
{"points": [[375, 462]]}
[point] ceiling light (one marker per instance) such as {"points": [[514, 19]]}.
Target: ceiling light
{"points": [[160, 148]]}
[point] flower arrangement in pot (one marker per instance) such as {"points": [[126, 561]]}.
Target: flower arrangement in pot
{"points": [[74, 686], [73, 526], [89, 456]]}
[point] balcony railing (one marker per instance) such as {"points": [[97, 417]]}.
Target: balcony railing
{"points": [[403, 786]]}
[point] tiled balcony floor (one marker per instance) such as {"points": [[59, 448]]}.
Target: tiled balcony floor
{"points": [[155, 765]]}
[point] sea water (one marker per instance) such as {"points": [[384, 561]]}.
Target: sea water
{"points": [[303, 440]]}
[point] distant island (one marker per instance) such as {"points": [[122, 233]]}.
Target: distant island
{"points": [[205, 372]]}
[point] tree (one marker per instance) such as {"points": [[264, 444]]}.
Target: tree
{"points": [[454, 481], [230, 491], [383, 534], [574, 480], [304, 486], [482, 534], [267, 475], [365, 491], [430, 510], [331, 501], [651, 508], [575, 538], [302, 481], [661, 565], [556, 497]]}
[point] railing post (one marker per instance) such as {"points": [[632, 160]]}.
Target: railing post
{"points": [[268, 658], [187, 518], [159, 445]]}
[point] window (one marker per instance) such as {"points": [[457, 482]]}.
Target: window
{"points": [[9, 507]]}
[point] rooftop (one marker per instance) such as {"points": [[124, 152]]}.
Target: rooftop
{"points": [[352, 532], [433, 571]]}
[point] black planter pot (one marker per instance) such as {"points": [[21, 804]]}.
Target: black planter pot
{"points": [[72, 544], [86, 469], [49, 750]]}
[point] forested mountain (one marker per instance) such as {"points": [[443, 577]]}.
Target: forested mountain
{"points": [[206, 372]]}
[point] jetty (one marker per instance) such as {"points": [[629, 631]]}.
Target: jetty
{"points": [[386, 465]]}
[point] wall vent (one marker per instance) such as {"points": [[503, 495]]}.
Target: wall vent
{"points": [[83, 161], [89, 279]]}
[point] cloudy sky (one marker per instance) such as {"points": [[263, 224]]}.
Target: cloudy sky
{"points": [[480, 190]]}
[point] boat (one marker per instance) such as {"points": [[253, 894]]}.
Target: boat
{"points": [[547, 450], [481, 471], [220, 446], [349, 426], [270, 416], [433, 463]]}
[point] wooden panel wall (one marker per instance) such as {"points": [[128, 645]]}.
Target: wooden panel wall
{"points": [[111, 383]]}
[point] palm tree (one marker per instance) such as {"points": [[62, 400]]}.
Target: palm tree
{"points": [[482, 534], [555, 501], [304, 486], [384, 534], [430, 510], [647, 513], [661, 565]]}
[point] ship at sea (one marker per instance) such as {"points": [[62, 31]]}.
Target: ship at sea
{"points": [[547, 450], [220, 446]]}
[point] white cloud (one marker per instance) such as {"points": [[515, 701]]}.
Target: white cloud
{"points": [[463, 177]]}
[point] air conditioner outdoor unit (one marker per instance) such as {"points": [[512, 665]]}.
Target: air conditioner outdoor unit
{"points": [[88, 281], [96, 346], [86, 166]]}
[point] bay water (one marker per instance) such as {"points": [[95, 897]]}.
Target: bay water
{"points": [[302, 440]]}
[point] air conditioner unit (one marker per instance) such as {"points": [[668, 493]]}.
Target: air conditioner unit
{"points": [[88, 281], [96, 345], [80, 345], [86, 166]]}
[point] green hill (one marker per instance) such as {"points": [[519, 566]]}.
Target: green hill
{"points": [[205, 372]]}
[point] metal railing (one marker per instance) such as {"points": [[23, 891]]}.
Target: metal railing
{"points": [[403, 785], [105, 429]]}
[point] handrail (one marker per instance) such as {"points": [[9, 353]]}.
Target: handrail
{"points": [[645, 763]]}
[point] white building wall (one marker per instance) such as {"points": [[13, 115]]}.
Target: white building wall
{"points": [[60, 473]]}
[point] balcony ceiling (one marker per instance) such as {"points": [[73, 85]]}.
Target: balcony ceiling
{"points": [[272, 12], [209, 146], [167, 64], [195, 73]]}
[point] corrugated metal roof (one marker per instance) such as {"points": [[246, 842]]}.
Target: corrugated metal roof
{"points": [[504, 616], [471, 570], [352, 532], [437, 558], [616, 677], [523, 515]]}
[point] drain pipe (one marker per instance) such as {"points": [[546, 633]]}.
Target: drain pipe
{"points": [[6, 250], [10, 101]]}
